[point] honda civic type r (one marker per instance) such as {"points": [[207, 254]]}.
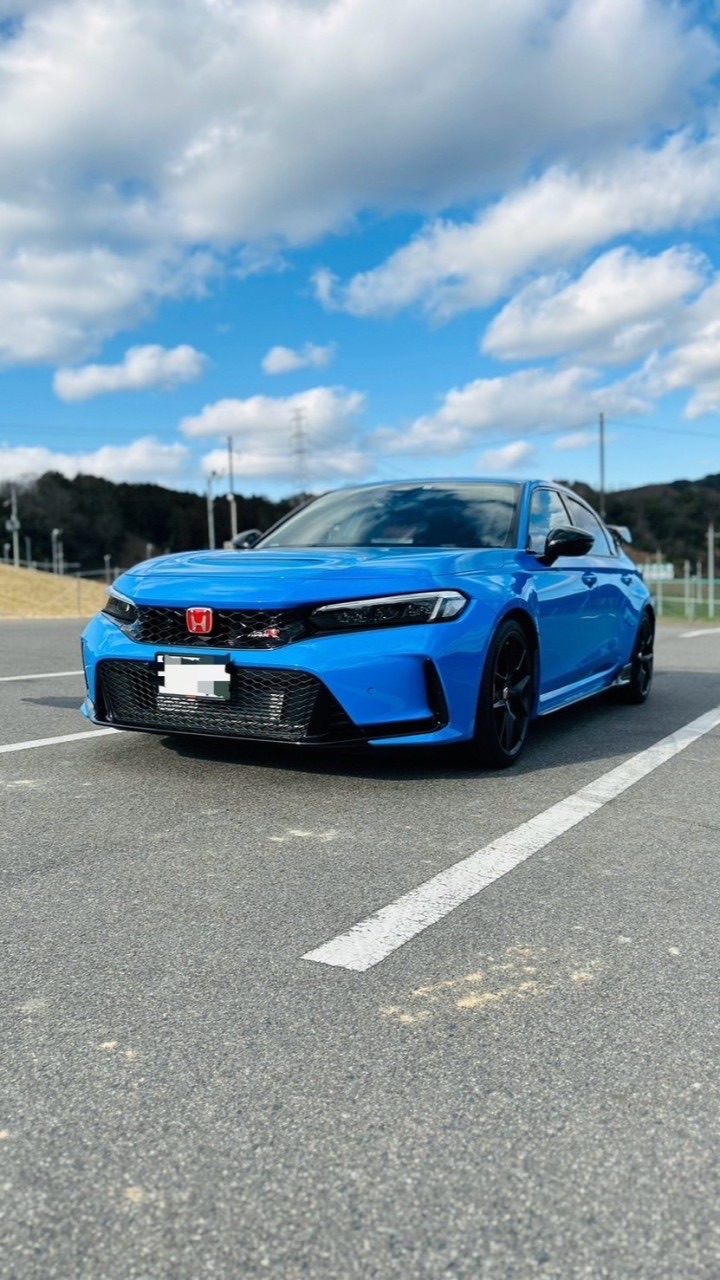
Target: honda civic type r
{"points": [[394, 614]]}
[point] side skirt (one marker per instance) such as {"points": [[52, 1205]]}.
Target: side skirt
{"points": [[589, 688], [623, 677]]}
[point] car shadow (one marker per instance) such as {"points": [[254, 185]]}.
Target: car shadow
{"points": [[599, 729], [72, 703]]}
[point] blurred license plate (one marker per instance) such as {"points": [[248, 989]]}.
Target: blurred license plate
{"points": [[193, 677]]}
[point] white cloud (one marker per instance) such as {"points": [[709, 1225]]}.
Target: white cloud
{"points": [[61, 304], [694, 363], [705, 400], [52, 300], [577, 440], [295, 152], [533, 401], [325, 413], [265, 432], [279, 465], [133, 130], [551, 221], [583, 440], [145, 459], [287, 360], [142, 369], [509, 458], [623, 306]]}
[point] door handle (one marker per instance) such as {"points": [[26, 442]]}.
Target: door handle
{"points": [[589, 578]]}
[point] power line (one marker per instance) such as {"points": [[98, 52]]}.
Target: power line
{"points": [[153, 428], [586, 425], [479, 443], [670, 431]]}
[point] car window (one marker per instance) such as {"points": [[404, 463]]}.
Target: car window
{"points": [[546, 512], [584, 518], [424, 515]]}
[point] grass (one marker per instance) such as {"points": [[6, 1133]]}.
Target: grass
{"points": [[675, 609], [29, 593], [675, 618]]}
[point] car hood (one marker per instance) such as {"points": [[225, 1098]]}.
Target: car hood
{"points": [[283, 578]]}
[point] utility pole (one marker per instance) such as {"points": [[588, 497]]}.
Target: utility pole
{"points": [[231, 490], [13, 525], [211, 510], [54, 537], [601, 424], [711, 536]]}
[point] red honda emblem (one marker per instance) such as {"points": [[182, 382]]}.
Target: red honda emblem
{"points": [[199, 621]]}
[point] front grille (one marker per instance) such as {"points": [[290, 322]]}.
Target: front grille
{"points": [[232, 628], [282, 706]]}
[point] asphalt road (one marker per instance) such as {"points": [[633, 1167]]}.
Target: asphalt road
{"points": [[527, 1088]]}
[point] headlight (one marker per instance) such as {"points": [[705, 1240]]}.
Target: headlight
{"points": [[390, 611], [119, 608]]}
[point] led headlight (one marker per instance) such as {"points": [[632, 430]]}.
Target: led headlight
{"points": [[119, 608], [390, 611]]}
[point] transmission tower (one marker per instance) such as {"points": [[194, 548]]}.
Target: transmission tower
{"points": [[299, 442]]}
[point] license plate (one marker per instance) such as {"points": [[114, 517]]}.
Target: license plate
{"points": [[193, 677]]}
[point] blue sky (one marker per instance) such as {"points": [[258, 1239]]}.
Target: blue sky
{"points": [[365, 240]]}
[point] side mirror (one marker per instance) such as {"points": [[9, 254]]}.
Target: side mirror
{"points": [[247, 539], [566, 541]]}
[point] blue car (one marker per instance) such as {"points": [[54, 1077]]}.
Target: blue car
{"points": [[388, 614]]}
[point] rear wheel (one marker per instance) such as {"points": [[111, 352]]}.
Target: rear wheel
{"points": [[506, 698], [638, 688]]}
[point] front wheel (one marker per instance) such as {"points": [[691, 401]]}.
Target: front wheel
{"points": [[506, 698]]}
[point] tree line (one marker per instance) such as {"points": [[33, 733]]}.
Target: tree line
{"points": [[669, 520], [127, 522]]}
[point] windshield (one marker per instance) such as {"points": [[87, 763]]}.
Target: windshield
{"points": [[430, 515]]}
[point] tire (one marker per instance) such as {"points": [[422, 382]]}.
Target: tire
{"points": [[638, 689], [506, 699]]}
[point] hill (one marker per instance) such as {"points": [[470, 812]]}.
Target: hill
{"points": [[28, 593], [128, 522], [669, 519]]}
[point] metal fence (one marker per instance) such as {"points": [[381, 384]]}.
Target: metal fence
{"points": [[693, 599]]}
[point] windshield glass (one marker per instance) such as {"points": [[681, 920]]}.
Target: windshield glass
{"points": [[429, 515]]}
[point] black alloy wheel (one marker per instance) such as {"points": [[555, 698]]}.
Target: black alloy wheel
{"points": [[506, 699], [641, 676]]}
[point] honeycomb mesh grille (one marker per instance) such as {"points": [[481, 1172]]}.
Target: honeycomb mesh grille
{"points": [[283, 706], [231, 629]]}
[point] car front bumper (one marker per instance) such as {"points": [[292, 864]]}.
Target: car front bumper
{"points": [[414, 684]]}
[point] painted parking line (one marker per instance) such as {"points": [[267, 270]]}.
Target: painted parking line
{"points": [[375, 938], [693, 635], [44, 675], [55, 742]]}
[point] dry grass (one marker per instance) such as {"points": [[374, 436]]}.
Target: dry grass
{"points": [[28, 593]]}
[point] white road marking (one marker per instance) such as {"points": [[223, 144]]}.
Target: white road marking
{"points": [[375, 938], [55, 742], [44, 675], [706, 631]]}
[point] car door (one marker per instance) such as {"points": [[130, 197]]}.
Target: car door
{"points": [[564, 602], [606, 572]]}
